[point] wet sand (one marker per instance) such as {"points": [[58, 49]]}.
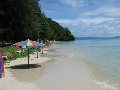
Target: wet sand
{"points": [[61, 75]]}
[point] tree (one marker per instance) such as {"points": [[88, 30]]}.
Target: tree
{"points": [[23, 19]]}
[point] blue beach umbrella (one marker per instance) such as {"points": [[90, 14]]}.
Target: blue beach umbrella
{"points": [[38, 44], [36, 47]]}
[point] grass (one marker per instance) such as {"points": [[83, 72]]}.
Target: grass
{"points": [[13, 51]]}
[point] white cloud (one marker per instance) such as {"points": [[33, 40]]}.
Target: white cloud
{"points": [[93, 17], [104, 11], [92, 26], [111, 11], [73, 3], [82, 20], [50, 11], [64, 21], [68, 21], [96, 20]]}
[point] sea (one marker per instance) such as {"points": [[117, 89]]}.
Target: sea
{"points": [[102, 55]]}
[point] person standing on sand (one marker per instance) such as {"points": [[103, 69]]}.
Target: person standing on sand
{"points": [[38, 40]]}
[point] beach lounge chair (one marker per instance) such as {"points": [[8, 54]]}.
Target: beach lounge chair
{"points": [[9, 55]]}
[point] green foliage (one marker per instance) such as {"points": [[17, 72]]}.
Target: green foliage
{"points": [[13, 51]]}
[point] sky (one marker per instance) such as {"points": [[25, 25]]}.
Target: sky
{"points": [[85, 18]]}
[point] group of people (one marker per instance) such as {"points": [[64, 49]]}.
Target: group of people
{"points": [[44, 42]]}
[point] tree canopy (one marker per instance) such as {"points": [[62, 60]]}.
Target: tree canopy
{"points": [[23, 19]]}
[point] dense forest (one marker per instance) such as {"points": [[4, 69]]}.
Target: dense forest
{"points": [[23, 19]]}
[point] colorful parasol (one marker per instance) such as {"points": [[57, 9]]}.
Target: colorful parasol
{"points": [[28, 44], [16, 44], [37, 47]]}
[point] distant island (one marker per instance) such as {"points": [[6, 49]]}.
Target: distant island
{"points": [[77, 38]]}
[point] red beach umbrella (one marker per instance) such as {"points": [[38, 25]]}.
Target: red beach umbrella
{"points": [[16, 44]]}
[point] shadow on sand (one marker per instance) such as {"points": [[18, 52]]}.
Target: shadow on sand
{"points": [[25, 66], [23, 73]]}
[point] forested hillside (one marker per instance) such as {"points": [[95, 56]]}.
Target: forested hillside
{"points": [[22, 19]]}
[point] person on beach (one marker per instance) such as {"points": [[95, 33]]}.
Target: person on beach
{"points": [[38, 40]]}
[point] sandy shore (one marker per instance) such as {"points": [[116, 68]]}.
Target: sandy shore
{"points": [[19, 77], [50, 75]]}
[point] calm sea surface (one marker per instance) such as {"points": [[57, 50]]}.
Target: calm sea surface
{"points": [[102, 56]]}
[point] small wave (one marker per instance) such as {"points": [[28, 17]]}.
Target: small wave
{"points": [[106, 85], [56, 45], [70, 55]]}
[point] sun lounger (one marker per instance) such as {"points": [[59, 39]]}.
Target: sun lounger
{"points": [[9, 55], [20, 51], [5, 57]]}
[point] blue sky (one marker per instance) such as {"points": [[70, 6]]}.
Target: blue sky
{"points": [[85, 18]]}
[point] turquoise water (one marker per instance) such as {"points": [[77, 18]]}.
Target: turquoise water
{"points": [[102, 56]]}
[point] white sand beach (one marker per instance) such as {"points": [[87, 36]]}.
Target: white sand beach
{"points": [[11, 80], [47, 74]]}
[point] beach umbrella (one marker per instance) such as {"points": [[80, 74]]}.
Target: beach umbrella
{"points": [[37, 47], [16, 44], [28, 44]]}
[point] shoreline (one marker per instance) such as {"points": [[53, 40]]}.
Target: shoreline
{"points": [[100, 79], [62, 75], [48, 74]]}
